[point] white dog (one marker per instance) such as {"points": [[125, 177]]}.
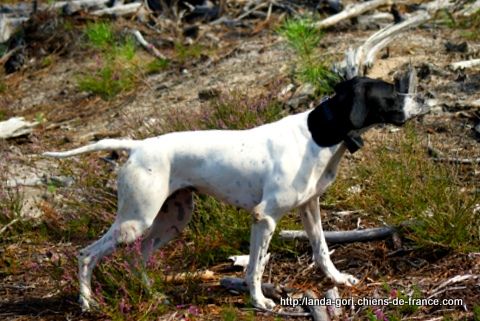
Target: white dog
{"points": [[268, 170]]}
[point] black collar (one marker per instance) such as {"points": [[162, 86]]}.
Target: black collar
{"points": [[329, 127]]}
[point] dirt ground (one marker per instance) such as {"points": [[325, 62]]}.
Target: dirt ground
{"points": [[250, 61]]}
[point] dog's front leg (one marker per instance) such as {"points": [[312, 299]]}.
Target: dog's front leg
{"points": [[312, 221], [262, 231]]}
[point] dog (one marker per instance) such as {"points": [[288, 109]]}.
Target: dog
{"points": [[267, 170]]}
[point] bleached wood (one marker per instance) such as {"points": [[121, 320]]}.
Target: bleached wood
{"points": [[365, 235], [120, 10], [358, 60], [15, 127], [465, 64], [351, 12], [148, 46]]}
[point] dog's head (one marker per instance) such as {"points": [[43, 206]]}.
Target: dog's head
{"points": [[361, 102], [367, 102]]}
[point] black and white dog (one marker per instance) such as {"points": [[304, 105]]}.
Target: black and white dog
{"points": [[268, 170]]}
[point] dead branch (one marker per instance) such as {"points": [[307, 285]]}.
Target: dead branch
{"points": [[351, 12], [77, 5], [183, 277], [465, 161], [357, 60], [10, 53], [465, 64], [336, 237], [15, 127], [148, 46], [9, 26], [12, 222], [120, 10], [455, 279]]}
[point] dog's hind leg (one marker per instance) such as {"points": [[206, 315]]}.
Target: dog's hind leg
{"points": [[140, 197], [173, 217], [312, 221]]}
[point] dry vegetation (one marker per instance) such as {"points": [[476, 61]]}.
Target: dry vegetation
{"points": [[86, 78]]}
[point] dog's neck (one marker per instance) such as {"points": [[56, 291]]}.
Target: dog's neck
{"points": [[329, 128]]}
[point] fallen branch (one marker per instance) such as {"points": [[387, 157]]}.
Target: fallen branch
{"points": [[334, 237], [358, 60], [120, 10], [7, 56], [148, 46], [15, 127], [455, 279], [465, 64], [206, 275], [457, 160], [351, 12], [15, 220], [9, 26]]}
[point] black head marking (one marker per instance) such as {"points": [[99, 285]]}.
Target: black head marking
{"points": [[358, 103]]}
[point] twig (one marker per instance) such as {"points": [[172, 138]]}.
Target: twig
{"points": [[182, 277], [7, 56], [15, 220], [455, 279], [249, 12], [457, 160], [351, 12], [365, 235], [148, 46]]}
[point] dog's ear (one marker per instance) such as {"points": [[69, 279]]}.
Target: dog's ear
{"points": [[358, 113]]}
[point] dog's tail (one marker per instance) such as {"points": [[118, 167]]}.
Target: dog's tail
{"points": [[104, 144]]}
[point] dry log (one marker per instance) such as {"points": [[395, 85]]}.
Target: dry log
{"points": [[351, 12], [15, 127], [120, 10], [336, 237], [465, 64]]}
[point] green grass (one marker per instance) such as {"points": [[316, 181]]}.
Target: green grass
{"points": [[185, 53], [155, 66], [100, 34], [301, 36], [107, 82], [117, 69], [468, 26], [400, 183], [311, 68]]}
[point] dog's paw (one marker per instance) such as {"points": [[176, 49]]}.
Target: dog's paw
{"points": [[263, 303], [347, 279], [87, 305]]}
